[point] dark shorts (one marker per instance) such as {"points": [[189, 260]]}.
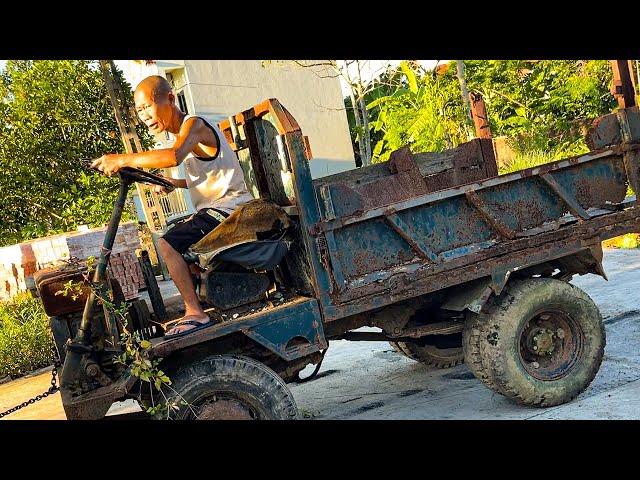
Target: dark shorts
{"points": [[184, 234]]}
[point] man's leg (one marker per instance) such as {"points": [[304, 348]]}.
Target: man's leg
{"points": [[181, 276], [171, 247]]}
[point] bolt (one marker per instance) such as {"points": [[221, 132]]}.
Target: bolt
{"points": [[535, 339], [535, 365], [535, 347], [560, 333], [92, 370]]}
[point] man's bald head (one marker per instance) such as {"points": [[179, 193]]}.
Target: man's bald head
{"points": [[155, 104], [154, 86]]}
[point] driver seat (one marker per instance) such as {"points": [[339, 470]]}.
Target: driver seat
{"points": [[240, 255]]}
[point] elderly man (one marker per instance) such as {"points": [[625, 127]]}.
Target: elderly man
{"points": [[212, 174]]}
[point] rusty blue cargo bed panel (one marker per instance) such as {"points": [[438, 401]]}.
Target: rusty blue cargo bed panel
{"points": [[379, 252]]}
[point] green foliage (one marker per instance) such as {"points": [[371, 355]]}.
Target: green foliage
{"points": [[55, 112], [529, 155], [545, 106], [526, 160], [25, 339], [425, 112]]}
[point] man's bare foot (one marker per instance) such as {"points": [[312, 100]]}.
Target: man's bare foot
{"points": [[188, 322]]}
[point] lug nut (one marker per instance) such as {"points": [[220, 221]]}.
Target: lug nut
{"points": [[535, 365], [535, 347], [560, 333]]}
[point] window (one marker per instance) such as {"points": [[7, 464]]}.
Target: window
{"points": [[182, 102]]}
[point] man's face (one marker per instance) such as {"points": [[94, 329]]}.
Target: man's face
{"points": [[153, 110]]}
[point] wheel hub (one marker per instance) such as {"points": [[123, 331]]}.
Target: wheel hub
{"points": [[224, 409], [550, 344], [542, 341]]}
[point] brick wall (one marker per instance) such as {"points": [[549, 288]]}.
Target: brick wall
{"points": [[19, 262]]}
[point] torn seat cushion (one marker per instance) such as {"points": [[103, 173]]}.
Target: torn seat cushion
{"points": [[241, 227]]}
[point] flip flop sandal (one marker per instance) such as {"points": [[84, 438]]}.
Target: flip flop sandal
{"points": [[197, 325]]}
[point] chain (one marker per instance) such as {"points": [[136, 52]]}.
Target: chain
{"points": [[52, 389]]}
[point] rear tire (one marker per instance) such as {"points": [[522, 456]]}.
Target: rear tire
{"points": [[471, 344], [428, 352], [541, 344]]}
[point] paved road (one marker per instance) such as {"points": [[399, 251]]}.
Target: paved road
{"points": [[368, 380]]}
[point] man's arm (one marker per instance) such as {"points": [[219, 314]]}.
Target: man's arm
{"points": [[192, 132], [177, 182]]}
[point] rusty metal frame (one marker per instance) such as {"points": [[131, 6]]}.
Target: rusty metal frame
{"points": [[404, 230], [573, 205]]}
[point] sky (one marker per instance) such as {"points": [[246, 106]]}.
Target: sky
{"points": [[370, 69]]}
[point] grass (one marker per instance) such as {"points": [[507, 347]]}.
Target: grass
{"points": [[25, 338], [629, 240], [530, 159]]}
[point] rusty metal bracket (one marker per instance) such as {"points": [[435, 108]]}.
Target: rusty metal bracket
{"points": [[404, 230], [495, 223], [237, 140], [575, 208], [630, 157], [596, 252], [325, 195]]}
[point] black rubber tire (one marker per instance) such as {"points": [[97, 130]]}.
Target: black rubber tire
{"points": [[498, 341], [235, 377], [471, 346], [429, 354]]}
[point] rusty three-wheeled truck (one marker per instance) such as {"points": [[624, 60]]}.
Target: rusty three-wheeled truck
{"points": [[447, 258]]}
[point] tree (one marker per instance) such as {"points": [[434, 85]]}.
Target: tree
{"points": [[55, 113], [543, 105]]}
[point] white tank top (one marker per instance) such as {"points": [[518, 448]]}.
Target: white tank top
{"points": [[216, 182]]}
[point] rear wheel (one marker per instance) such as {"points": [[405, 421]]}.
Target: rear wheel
{"points": [[471, 343], [224, 387], [438, 351], [541, 344]]}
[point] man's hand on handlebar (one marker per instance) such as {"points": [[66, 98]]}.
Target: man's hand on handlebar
{"points": [[160, 188], [113, 163], [108, 164]]}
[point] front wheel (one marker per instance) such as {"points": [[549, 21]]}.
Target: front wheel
{"points": [[224, 387], [542, 342]]}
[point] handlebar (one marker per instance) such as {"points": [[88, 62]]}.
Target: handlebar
{"points": [[136, 175]]}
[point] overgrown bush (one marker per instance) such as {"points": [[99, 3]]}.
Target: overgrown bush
{"points": [[25, 338]]}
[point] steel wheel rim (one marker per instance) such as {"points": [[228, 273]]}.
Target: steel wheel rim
{"points": [[223, 406], [550, 344]]}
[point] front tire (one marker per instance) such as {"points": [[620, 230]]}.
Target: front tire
{"points": [[225, 387]]}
